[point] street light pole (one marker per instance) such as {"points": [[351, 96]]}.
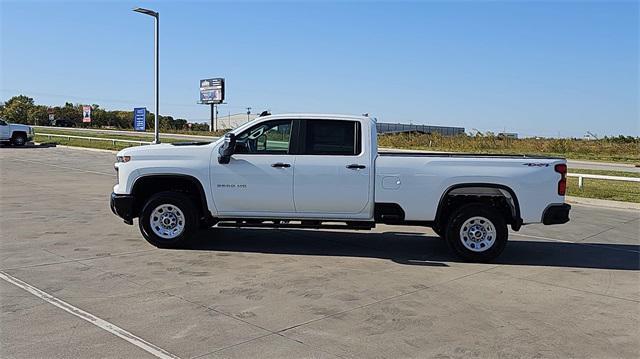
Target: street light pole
{"points": [[156, 58]]}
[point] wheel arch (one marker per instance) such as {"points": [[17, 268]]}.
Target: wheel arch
{"points": [[169, 182], [16, 134], [482, 190]]}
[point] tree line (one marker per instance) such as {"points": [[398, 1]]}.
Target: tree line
{"points": [[23, 109]]}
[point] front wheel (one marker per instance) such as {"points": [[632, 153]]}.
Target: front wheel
{"points": [[19, 140], [168, 219], [477, 233]]}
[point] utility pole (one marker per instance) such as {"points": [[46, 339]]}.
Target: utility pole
{"points": [[156, 58], [248, 113]]}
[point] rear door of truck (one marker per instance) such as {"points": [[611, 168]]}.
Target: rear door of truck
{"points": [[333, 169]]}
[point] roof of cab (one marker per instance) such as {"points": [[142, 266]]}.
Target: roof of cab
{"points": [[313, 116]]}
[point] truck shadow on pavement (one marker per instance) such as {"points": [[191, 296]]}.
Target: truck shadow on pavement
{"points": [[412, 248], [29, 146]]}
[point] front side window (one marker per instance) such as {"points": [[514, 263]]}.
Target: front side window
{"points": [[329, 137], [271, 137], [2, 123]]}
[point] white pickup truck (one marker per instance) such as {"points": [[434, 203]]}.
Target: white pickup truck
{"points": [[15, 134], [315, 171]]}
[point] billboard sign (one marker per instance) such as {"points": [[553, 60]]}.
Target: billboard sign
{"points": [[212, 91], [86, 113], [139, 118]]}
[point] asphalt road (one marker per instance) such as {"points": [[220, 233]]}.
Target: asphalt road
{"points": [[557, 291]]}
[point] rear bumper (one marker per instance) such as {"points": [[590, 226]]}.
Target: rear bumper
{"points": [[556, 214], [122, 206]]}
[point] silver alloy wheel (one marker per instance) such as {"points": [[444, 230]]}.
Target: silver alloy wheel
{"points": [[167, 221], [19, 140], [478, 234]]}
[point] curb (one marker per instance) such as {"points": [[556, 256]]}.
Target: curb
{"points": [[602, 203]]}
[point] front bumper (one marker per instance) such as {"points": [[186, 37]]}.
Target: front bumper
{"points": [[122, 206], [556, 214]]}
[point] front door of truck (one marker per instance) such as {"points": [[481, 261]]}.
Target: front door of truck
{"points": [[259, 176], [333, 169]]}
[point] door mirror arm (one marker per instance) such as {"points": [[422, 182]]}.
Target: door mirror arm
{"points": [[227, 148]]}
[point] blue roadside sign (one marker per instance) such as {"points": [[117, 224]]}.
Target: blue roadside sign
{"points": [[139, 118]]}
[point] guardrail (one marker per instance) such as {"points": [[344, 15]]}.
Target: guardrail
{"points": [[582, 176], [125, 132], [112, 140]]}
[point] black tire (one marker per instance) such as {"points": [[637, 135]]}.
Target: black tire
{"points": [[489, 246], [173, 199], [19, 139]]}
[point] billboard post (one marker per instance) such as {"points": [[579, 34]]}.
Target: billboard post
{"points": [[212, 93]]}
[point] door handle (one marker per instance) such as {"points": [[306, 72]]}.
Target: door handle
{"points": [[356, 167], [281, 165]]}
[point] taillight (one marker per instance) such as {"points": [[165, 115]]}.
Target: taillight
{"points": [[562, 184]]}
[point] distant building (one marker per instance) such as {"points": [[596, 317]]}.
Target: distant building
{"points": [[232, 121], [403, 127], [511, 135]]}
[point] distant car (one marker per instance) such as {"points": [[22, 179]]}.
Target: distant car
{"points": [[321, 169], [15, 134], [63, 123]]}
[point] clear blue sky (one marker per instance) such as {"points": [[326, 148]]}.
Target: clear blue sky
{"points": [[537, 68]]}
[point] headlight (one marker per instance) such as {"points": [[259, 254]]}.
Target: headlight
{"points": [[123, 159]]}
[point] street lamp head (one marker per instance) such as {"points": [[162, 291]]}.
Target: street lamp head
{"points": [[146, 11]]}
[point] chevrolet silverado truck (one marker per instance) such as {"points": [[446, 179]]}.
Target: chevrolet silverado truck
{"points": [[325, 171], [15, 134]]}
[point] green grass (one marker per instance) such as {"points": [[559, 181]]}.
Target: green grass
{"points": [[605, 189], [596, 150]]}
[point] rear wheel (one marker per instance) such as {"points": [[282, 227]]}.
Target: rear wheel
{"points": [[168, 219], [477, 232], [19, 139]]}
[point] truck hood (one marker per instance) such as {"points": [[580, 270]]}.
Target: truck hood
{"points": [[167, 151]]}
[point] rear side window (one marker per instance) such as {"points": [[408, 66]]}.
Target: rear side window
{"points": [[329, 137]]}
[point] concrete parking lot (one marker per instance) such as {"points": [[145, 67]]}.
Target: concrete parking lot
{"points": [[395, 292]]}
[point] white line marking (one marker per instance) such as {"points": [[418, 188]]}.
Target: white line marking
{"points": [[101, 323], [602, 246], [66, 168]]}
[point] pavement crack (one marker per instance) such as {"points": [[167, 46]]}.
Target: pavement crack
{"points": [[580, 290], [386, 299]]}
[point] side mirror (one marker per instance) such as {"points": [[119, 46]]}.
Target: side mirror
{"points": [[226, 150]]}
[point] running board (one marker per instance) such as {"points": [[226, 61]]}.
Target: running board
{"points": [[250, 223]]}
